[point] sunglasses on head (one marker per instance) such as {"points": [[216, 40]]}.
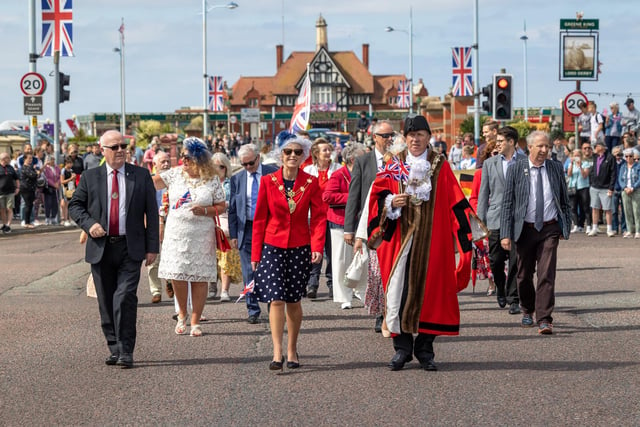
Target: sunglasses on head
{"points": [[251, 163], [116, 147], [296, 151], [385, 135]]}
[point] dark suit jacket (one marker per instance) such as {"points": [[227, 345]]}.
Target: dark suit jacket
{"points": [[516, 198], [89, 205], [363, 174], [238, 202]]}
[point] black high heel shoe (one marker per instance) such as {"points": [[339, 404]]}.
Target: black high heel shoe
{"points": [[294, 365], [277, 366]]}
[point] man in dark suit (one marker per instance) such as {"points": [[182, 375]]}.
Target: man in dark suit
{"points": [[494, 171], [244, 192], [363, 174], [535, 215], [115, 204]]}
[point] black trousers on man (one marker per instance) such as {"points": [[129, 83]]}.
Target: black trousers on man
{"points": [[116, 277], [506, 285]]}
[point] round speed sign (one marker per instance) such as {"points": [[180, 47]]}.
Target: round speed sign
{"points": [[573, 101], [32, 84]]}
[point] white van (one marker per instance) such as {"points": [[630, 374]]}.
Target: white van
{"points": [[14, 125]]}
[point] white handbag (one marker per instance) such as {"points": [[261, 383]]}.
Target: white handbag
{"points": [[357, 270]]}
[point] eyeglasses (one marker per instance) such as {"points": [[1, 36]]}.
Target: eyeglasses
{"points": [[115, 147], [385, 135], [221, 166], [296, 151], [251, 163], [629, 156], [185, 156]]}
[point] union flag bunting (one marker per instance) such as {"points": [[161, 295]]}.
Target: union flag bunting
{"points": [[57, 27], [300, 117], [462, 72], [404, 86], [216, 94]]}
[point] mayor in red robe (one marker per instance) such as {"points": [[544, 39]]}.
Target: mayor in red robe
{"points": [[417, 213]]}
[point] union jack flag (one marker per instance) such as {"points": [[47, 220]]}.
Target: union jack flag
{"points": [[216, 94], [404, 86], [395, 169], [186, 198], [248, 289], [462, 76], [300, 117], [57, 27]]}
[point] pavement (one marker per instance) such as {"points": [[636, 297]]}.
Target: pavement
{"points": [[52, 369]]}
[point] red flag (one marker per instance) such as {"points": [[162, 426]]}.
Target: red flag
{"points": [[72, 125]]}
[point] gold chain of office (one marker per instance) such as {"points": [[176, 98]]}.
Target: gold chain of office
{"points": [[290, 195]]}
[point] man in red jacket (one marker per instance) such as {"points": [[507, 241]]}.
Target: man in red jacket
{"points": [[417, 209]]}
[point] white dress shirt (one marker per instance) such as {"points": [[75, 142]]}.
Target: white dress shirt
{"points": [[550, 211]]}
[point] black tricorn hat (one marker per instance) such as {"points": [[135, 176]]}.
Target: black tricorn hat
{"points": [[412, 124]]}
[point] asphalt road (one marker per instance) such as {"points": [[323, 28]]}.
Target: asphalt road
{"points": [[494, 373]]}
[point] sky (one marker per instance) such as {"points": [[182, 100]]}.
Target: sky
{"points": [[163, 47]]}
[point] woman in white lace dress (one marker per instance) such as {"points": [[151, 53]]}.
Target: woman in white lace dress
{"points": [[189, 245]]}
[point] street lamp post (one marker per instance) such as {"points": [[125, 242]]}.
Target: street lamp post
{"points": [[524, 39], [205, 89], [123, 117], [410, 33]]}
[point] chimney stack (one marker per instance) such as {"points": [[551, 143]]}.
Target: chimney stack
{"points": [[279, 53], [365, 54]]}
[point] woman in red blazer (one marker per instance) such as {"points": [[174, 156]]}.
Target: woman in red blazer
{"points": [[288, 236]]}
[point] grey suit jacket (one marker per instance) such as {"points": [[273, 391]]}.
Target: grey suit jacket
{"points": [[238, 202], [90, 204], [516, 198], [363, 174], [492, 191]]}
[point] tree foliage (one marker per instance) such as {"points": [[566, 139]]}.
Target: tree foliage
{"points": [[146, 130]]}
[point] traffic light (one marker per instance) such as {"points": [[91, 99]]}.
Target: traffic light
{"points": [[487, 92], [502, 97], [63, 94]]}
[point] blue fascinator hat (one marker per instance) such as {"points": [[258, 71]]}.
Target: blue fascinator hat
{"points": [[197, 149], [286, 138]]}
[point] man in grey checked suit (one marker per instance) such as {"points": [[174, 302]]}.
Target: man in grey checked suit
{"points": [[241, 217], [494, 171], [535, 215], [363, 174]]}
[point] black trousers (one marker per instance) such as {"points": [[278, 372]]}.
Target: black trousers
{"points": [[316, 269], [506, 285], [116, 277]]}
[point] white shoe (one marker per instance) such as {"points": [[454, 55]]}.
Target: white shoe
{"points": [[637, 236], [593, 232], [67, 223], [588, 229], [346, 306], [36, 223], [357, 295], [626, 235], [574, 229], [224, 296], [611, 233], [22, 223]]}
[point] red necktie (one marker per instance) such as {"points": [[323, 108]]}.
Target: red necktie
{"points": [[114, 210]]}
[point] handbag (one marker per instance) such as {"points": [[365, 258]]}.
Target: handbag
{"points": [[41, 181], [357, 270], [68, 193], [222, 243]]}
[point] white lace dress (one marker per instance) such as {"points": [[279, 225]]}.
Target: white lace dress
{"points": [[189, 245]]}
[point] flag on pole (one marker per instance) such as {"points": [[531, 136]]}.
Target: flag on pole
{"points": [[462, 72], [72, 125], [186, 198], [216, 94], [121, 30], [57, 27], [404, 86], [300, 117], [248, 289]]}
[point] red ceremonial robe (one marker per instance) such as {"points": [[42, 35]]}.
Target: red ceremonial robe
{"points": [[416, 251]]}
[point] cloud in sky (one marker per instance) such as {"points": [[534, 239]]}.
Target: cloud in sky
{"points": [[163, 46]]}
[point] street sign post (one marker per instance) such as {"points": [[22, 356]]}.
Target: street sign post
{"points": [[32, 105], [33, 84], [572, 101]]}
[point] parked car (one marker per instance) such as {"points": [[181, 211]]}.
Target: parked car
{"points": [[329, 135]]}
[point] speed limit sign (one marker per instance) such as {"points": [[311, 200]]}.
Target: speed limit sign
{"points": [[33, 84], [573, 101]]}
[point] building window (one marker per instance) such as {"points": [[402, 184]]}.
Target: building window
{"points": [[253, 102], [322, 95]]}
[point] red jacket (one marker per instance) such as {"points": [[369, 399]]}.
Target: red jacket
{"points": [[336, 193], [275, 225]]}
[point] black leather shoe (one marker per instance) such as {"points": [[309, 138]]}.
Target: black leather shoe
{"points": [[111, 360], [399, 360], [277, 366], [312, 293], [378, 326], [514, 308], [502, 301], [294, 365], [428, 364], [125, 361], [253, 319]]}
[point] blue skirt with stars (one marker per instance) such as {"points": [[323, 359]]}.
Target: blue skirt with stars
{"points": [[282, 274]]}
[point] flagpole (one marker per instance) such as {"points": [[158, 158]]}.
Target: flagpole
{"points": [[411, 60], [123, 117], [476, 73], [33, 56]]}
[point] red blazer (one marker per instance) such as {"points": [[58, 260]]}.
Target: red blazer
{"points": [[274, 225], [336, 193], [475, 189]]}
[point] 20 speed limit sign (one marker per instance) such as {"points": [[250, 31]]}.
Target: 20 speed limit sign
{"points": [[32, 84], [573, 101]]}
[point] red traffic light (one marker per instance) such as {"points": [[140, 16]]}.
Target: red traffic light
{"points": [[503, 83]]}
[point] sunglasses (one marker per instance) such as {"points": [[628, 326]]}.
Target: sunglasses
{"points": [[296, 151], [116, 147], [185, 156], [385, 135], [251, 163], [221, 166], [629, 157]]}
